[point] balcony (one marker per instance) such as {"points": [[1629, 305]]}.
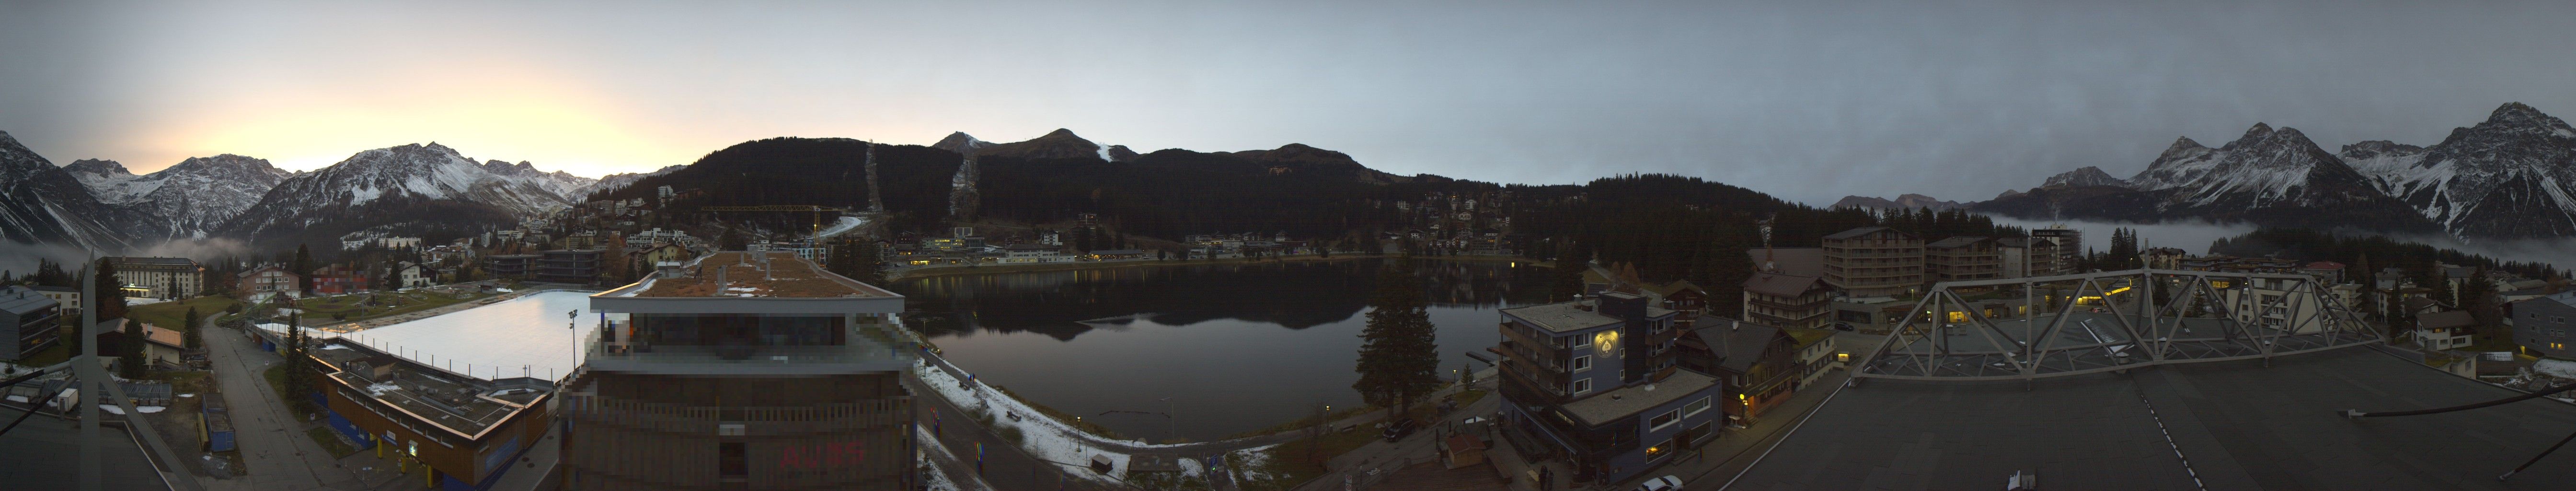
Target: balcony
{"points": [[869, 348]]}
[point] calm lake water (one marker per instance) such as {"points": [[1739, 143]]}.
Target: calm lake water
{"points": [[1235, 347]]}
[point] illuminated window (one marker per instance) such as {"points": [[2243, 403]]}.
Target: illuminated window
{"points": [[1654, 451]]}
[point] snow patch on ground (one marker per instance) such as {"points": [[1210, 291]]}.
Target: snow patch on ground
{"points": [[112, 409], [1043, 437], [843, 226], [1248, 462], [2555, 368], [939, 478]]}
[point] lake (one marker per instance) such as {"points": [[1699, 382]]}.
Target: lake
{"points": [[1235, 347]]}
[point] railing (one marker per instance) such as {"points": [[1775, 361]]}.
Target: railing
{"points": [[860, 349]]}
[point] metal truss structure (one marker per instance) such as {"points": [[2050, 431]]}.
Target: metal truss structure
{"points": [[2111, 320]]}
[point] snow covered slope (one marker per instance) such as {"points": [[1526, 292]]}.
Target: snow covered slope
{"points": [[2513, 175], [400, 185], [188, 200], [42, 203]]}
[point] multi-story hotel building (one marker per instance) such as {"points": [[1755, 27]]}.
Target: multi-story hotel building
{"points": [[742, 370], [161, 277], [1874, 262]]}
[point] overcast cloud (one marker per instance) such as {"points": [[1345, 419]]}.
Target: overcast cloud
{"points": [[1808, 100]]}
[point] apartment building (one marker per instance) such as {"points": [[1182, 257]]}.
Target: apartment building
{"points": [[1874, 262], [1590, 382], [1964, 258]]}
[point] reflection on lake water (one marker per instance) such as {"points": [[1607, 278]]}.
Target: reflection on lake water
{"points": [[1236, 347]]}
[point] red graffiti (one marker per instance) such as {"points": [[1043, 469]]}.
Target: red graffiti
{"points": [[808, 457]]}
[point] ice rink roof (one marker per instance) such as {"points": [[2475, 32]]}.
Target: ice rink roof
{"points": [[535, 335]]}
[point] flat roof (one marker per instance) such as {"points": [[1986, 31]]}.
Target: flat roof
{"points": [[741, 275], [1627, 401], [465, 406], [534, 335], [2239, 424], [1561, 317]]}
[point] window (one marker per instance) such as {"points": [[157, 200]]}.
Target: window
{"points": [[1582, 341], [1695, 407], [1665, 420], [1582, 364], [1582, 386]]}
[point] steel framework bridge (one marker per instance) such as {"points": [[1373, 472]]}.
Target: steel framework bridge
{"points": [[2111, 320]]}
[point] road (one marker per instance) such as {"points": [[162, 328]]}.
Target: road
{"points": [[272, 440], [1004, 465]]}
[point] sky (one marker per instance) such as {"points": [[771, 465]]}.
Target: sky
{"points": [[1809, 101]]}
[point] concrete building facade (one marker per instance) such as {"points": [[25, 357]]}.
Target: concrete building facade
{"points": [[1583, 385], [743, 370], [162, 277], [1873, 262]]}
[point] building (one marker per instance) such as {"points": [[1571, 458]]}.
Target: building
{"points": [[1111, 254], [1873, 262], [2163, 257], [162, 348], [1817, 353], [413, 275], [338, 279], [1757, 364], [29, 321], [1582, 386], [64, 297], [1964, 258], [2028, 256], [2070, 245], [270, 279], [2445, 330], [2273, 304], [661, 253], [161, 277], [468, 431], [2546, 326], [1031, 253], [576, 266], [1784, 300], [399, 242], [743, 370], [509, 265], [2328, 272]]}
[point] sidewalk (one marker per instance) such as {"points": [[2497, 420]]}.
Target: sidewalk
{"points": [[1377, 459]]}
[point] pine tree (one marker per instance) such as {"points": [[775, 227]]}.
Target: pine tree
{"points": [[129, 361], [296, 385], [303, 269], [192, 335], [1399, 353], [109, 291]]}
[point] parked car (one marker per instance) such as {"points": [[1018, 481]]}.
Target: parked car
{"points": [[1666, 483], [1400, 429]]}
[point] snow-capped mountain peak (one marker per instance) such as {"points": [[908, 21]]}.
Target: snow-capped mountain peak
{"points": [[405, 176], [2087, 176], [2512, 175]]}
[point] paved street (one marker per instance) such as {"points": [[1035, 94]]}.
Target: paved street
{"points": [[273, 443], [1004, 465]]}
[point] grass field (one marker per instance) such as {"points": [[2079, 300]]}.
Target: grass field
{"points": [[167, 315]]}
